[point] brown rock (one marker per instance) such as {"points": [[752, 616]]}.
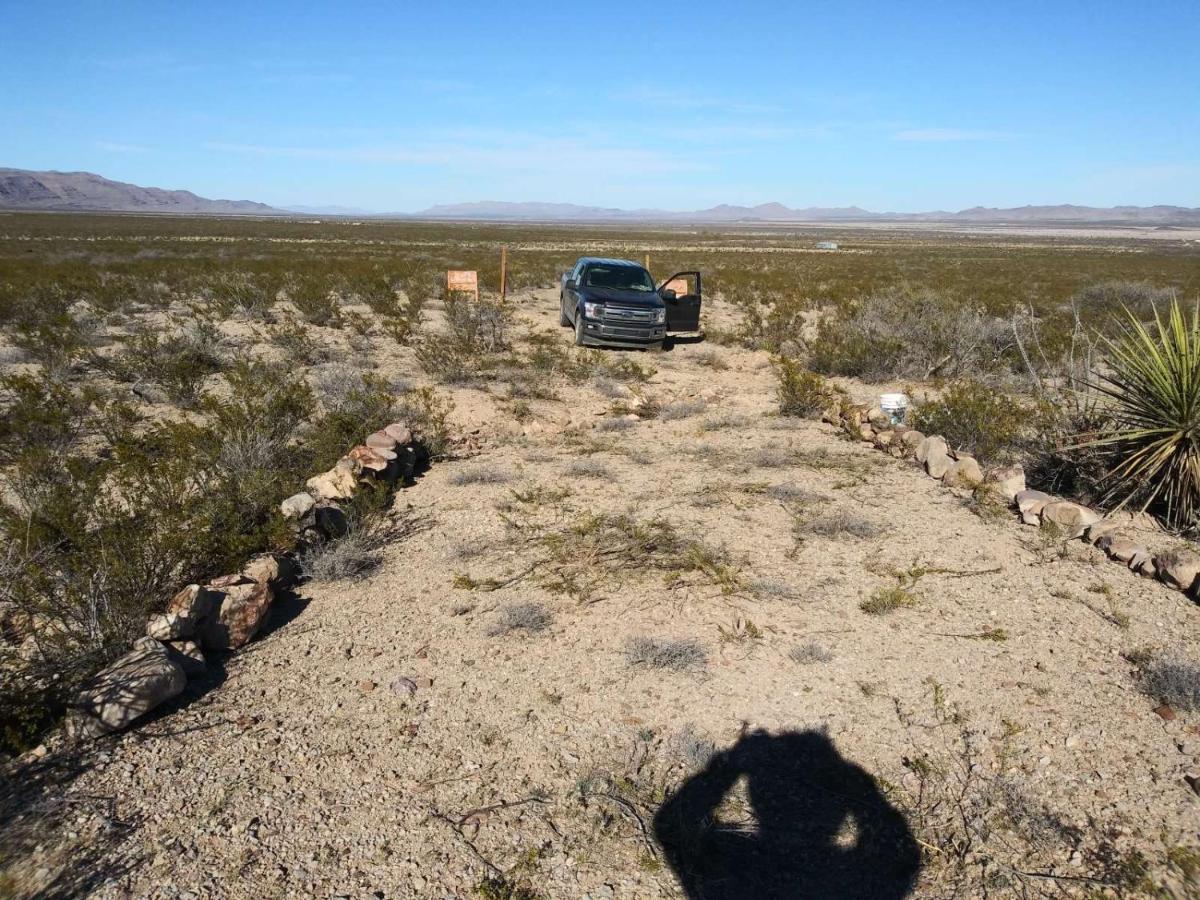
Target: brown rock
{"points": [[241, 613], [228, 581], [1165, 712], [128, 688], [911, 439], [964, 472], [279, 571], [1143, 564], [193, 602], [371, 460], [1121, 549], [866, 433], [1097, 530], [883, 439], [878, 418], [1178, 569]]}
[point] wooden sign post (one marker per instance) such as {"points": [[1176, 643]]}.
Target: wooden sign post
{"points": [[647, 262], [503, 273], [462, 282]]}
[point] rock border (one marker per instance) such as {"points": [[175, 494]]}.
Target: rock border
{"points": [[227, 612], [1177, 569]]}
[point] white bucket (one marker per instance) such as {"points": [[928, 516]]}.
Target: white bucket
{"points": [[895, 405]]}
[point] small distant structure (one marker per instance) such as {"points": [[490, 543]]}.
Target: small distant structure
{"points": [[827, 245]]}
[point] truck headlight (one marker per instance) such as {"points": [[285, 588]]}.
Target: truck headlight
{"points": [[592, 310], [660, 316]]}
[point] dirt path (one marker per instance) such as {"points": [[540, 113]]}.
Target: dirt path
{"points": [[388, 741]]}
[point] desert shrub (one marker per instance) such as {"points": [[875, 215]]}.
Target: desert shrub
{"points": [[177, 361], [1152, 389], [241, 292], [1173, 679], [427, 413], [314, 299], [682, 409], [809, 652], [56, 340], [681, 655], [476, 330], [835, 524], [588, 468], [800, 392], [985, 422], [298, 344], [903, 332], [530, 617], [355, 404], [480, 475], [356, 554]]}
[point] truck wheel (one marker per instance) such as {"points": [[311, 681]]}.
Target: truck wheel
{"points": [[578, 330], [562, 315]]}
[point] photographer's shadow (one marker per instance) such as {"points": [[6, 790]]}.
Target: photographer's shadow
{"points": [[823, 828]]}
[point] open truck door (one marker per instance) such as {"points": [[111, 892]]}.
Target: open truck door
{"points": [[681, 293]]}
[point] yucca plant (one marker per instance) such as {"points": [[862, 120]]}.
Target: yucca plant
{"points": [[1152, 381]]}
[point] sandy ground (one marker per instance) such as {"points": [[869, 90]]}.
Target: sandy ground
{"points": [[543, 757]]}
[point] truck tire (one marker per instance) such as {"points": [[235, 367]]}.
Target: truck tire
{"points": [[578, 330], [562, 315]]}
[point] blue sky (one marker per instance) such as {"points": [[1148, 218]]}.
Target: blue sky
{"points": [[396, 106]]}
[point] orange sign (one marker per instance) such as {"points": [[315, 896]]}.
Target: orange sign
{"points": [[678, 285], [462, 282]]}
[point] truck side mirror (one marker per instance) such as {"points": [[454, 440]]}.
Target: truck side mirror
{"points": [[570, 284], [668, 294]]}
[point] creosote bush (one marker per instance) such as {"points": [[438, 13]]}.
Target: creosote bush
{"points": [[985, 422], [800, 392]]}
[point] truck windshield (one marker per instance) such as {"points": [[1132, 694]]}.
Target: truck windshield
{"points": [[621, 278]]}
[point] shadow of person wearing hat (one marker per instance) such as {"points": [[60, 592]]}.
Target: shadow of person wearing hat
{"points": [[823, 829]]}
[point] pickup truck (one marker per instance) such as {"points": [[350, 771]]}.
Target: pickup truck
{"points": [[614, 303]]}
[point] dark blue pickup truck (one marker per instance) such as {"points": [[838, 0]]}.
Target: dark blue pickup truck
{"points": [[614, 303]]}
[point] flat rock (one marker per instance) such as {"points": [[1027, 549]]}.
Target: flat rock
{"points": [[1071, 517], [399, 432], [1097, 530], [371, 460], [380, 440], [1122, 549], [279, 571], [128, 688]]}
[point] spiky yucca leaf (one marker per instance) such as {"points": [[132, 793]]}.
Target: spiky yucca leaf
{"points": [[1153, 384]]}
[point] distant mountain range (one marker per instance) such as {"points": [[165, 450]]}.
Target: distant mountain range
{"points": [[22, 189], [777, 212]]}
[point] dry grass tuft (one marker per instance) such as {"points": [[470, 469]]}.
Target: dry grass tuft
{"points": [[679, 655], [529, 617]]}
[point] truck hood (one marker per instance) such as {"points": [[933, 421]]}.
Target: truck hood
{"points": [[624, 298]]}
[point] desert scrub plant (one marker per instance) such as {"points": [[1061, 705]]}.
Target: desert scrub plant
{"points": [[356, 554], [427, 413], [987, 423], [678, 655], [681, 409], [800, 392], [314, 298], [1152, 385], [528, 617], [241, 292], [476, 332], [808, 653], [887, 599], [839, 523], [178, 361], [904, 332], [482, 474], [1171, 678]]}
